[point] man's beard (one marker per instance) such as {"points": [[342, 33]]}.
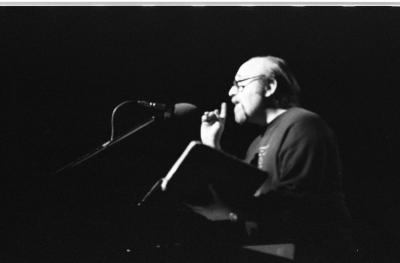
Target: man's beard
{"points": [[240, 114]]}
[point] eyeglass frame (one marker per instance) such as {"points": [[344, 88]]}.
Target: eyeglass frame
{"points": [[240, 88]]}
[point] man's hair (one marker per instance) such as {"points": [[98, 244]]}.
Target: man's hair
{"points": [[287, 92]]}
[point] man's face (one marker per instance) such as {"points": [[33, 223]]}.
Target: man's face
{"points": [[248, 94]]}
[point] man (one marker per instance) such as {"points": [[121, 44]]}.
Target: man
{"points": [[301, 200]]}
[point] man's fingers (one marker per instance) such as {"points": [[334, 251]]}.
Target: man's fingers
{"points": [[222, 113], [210, 116], [216, 114]]}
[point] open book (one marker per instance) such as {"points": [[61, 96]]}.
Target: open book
{"points": [[200, 167]]}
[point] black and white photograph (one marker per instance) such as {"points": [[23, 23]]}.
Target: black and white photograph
{"points": [[208, 132]]}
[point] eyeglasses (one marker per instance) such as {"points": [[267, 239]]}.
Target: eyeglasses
{"points": [[240, 88]]}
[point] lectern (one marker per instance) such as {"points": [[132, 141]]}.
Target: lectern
{"points": [[236, 182], [200, 166]]}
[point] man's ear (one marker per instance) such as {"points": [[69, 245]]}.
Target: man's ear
{"points": [[270, 87]]}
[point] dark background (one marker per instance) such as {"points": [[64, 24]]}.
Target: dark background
{"points": [[65, 68]]}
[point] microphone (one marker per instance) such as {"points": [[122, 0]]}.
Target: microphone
{"points": [[175, 110]]}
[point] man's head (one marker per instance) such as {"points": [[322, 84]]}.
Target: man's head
{"points": [[262, 83]]}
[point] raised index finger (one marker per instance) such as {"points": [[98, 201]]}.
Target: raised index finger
{"points": [[223, 110]]}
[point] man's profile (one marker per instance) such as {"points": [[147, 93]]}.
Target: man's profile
{"points": [[301, 200]]}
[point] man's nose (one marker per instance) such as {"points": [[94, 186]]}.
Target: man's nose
{"points": [[233, 91], [234, 97]]}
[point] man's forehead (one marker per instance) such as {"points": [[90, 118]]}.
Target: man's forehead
{"points": [[253, 67]]}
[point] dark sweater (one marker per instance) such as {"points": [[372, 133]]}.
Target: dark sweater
{"points": [[302, 197]]}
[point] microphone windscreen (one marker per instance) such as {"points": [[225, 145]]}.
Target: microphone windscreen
{"points": [[184, 109]]}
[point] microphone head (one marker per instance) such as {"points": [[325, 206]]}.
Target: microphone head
{"points": [[184, 109], [167, 111]]}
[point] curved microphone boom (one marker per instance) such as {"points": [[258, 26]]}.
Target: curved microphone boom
{"points": [[178, 110]]}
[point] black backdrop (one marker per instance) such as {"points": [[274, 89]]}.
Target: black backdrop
{"points": [[65, 68]]}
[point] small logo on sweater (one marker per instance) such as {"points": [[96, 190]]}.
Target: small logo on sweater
{"points": [[262, 151], [263, 148]]}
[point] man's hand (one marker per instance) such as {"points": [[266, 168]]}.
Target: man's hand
{"points": [[216, 211], [212, 127]]}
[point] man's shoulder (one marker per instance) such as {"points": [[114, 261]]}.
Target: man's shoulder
{"points": [[297, 114], [297, 118], [307, 124]]}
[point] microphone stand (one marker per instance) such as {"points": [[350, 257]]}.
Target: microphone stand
{"points": [[106, 145], [110, 143]]}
